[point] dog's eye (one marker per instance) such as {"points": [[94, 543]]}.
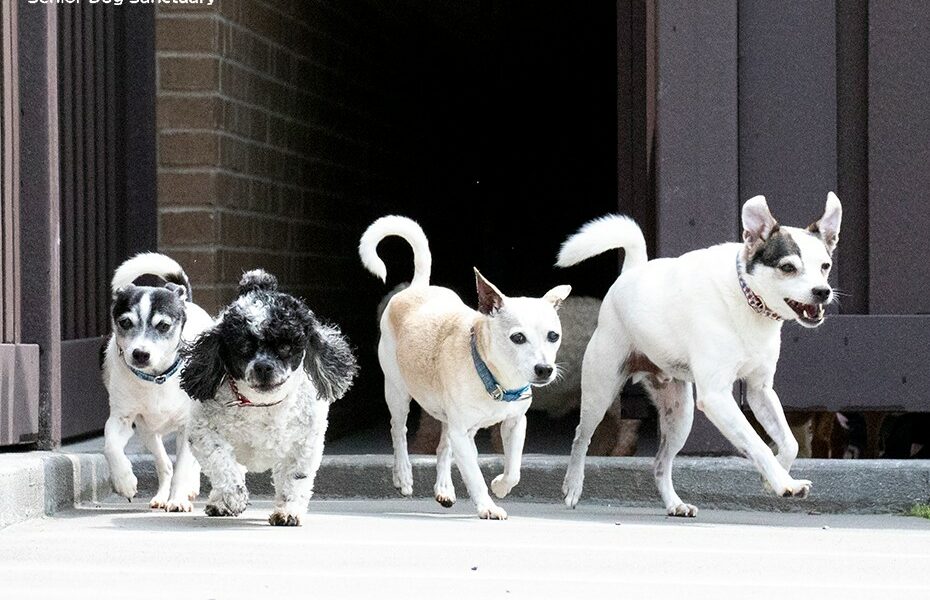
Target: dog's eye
{"points": [[553, 337], [518, 338], [825, 266], [163, 327], [788, 268], [284, 350], [125, 323]]}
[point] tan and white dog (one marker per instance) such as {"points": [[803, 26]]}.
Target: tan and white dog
{"points": [[468, 369]]}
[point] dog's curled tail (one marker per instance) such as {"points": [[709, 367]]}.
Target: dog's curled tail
{"points": [[402, 227], [600, 235], [151, 263]]}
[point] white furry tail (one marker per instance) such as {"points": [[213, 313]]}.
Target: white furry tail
{"points": [[151, 263], [600, 235], [402, 227]]}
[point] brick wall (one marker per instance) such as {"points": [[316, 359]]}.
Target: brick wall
{"points": [[272, 129]]}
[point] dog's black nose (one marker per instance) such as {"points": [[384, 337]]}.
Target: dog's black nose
{"points": [[821, 293], [543, 370], [263, 369], [140, 356]]}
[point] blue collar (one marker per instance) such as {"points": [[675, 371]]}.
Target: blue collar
{"points": [[490, 384], [159, 379]]}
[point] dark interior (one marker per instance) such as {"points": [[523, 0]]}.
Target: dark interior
{"points": [[507, 119]]}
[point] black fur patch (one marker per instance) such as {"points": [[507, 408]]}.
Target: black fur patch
{"points": [[778, 245], [157, 281], [287, 333], [257, 280]]}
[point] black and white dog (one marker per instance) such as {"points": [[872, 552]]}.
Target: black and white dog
{"points": [[264, 376], [152, 318], [710, 317]]}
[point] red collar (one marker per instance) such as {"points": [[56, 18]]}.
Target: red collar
{"points": [[242, 400]]}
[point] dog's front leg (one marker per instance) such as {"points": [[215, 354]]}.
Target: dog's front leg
{"points": [[767, 408], [466, 458], [718, 404], [228, 496], [163, 468], [513, 434], [294, 476], [185, 485], [116, 434]]}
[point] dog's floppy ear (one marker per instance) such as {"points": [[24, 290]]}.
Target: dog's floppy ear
{"points": [[329, 361], [758, 222], [203, 371], [557, 295], [490, 299], [257, 280], [828, 226]]}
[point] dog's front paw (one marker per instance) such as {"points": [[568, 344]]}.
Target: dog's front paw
{"points": [[403, 479], [444, 494], [682, 510], [124, 483], [179, 505], [796, 488], [283, 518], [501, 486], [229, 503], [572, 486], [158, 501], [492, 512]]}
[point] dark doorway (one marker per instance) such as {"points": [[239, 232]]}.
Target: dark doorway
{"points": [[506, 114]]}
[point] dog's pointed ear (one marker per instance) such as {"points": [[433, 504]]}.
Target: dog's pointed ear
{"points": [[758, 222], [177, 290], [557, 295], [329, 360], [828, 226], [122, 291], [203, 370], [490, 299]]}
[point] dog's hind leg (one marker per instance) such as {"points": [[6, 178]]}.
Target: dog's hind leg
{"points": [[675, 405], [163, 468], [398, 401], [444, 490], [602, 376]]}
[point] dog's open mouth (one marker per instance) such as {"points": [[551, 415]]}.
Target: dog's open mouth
{"points": [[808, 313]]}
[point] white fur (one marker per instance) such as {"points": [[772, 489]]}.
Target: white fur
{"points": [[690, 318], [600, 235], [286, 438], [405, 228], [156, 410], [435, 366]]}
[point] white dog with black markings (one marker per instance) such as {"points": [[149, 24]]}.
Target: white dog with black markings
{"points": [[708, 317], [152, 318], [264, 377], [468, 369]]}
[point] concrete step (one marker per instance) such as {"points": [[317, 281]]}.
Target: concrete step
{"points": [[40, 483]]}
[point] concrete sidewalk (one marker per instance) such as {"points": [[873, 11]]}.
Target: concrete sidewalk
{"points": [[416, 549], [36, 484]]}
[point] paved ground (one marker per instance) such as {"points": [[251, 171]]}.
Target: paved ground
{"points": [[414, 548]]}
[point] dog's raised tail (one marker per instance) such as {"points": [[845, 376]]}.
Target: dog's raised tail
{"points": [[402, 227], [602, 234], [137, 268]]}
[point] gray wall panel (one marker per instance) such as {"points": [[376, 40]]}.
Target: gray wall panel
{"points": [[696, 135], [899, 157], [787, 106]]}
